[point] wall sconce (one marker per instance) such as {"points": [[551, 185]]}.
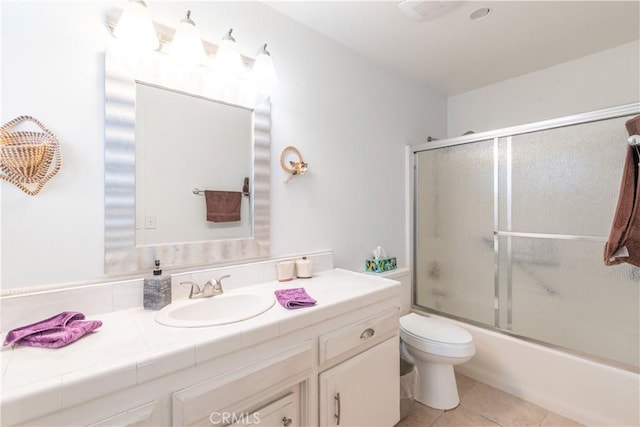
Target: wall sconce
{"points": [[297, 166], [186, 46], [135, 28]]}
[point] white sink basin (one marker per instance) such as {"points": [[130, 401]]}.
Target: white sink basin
{"points": [[217, 310]]}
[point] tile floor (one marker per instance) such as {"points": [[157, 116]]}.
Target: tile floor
{"points": [[481, 405]]}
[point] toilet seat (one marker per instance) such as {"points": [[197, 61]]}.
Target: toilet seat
{"points": [[436, 336]]}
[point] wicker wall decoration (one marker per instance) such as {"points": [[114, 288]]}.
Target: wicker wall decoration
{"points": [[28, 159]]}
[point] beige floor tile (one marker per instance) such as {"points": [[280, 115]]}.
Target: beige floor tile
{"points": [[462, 417], [420, 416], [554, 420], [464, 384], [501, 407]]}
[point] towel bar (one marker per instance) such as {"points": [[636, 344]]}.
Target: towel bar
{"points": [[197, 191]]}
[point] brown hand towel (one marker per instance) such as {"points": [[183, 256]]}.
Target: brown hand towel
{"points": [[623, 244], [223, 206]]}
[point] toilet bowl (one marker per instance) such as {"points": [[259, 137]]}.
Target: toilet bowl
{"points": [[436, 345]]}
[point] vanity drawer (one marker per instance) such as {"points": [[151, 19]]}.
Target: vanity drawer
{"points": [[359, 334]]}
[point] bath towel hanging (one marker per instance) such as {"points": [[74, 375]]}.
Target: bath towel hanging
{"points": [[623, 244]]}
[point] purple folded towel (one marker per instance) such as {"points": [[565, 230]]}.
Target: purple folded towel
{"points": [[294, 298], [54, 332]]}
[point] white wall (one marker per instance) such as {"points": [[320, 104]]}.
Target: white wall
{"points": [[349, 118], [1, 37], [605, 79]]}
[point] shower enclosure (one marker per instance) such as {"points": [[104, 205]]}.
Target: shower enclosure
{"points": [[509, 231]]}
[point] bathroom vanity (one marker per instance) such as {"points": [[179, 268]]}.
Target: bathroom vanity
{"points": [[336, 363]]}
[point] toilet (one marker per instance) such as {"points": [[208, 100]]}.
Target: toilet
{"points": [[435, 345]]}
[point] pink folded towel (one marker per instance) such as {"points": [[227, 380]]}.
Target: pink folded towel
{"points": [[54, 332], [294, 298]]}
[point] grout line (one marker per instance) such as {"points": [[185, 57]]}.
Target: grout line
{"points": [[439, 416]]}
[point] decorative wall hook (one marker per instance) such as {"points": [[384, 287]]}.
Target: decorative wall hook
{"points": [[296, 166]]}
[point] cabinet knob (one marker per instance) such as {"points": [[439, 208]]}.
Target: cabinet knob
{"points": [[367, 333], [286, 422], [338, 410]]}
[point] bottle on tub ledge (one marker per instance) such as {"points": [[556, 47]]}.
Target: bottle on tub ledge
{"points": [[157, 290], [304, 268]]}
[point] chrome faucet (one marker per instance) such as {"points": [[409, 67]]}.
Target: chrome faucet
{"points": [[212, 288]]}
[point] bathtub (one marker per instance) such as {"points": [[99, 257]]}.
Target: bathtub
{"points": [[591, 393]]}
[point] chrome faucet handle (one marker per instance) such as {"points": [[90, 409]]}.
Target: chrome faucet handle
{"points": [[219, 279], [195, 289], [218, 285], [211, 288]]}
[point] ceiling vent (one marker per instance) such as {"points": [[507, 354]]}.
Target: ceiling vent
{"points": [[424, 10]]}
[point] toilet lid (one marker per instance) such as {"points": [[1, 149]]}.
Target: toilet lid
{"points": [[432, 329]]}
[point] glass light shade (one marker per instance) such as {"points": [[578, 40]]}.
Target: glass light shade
{"points": [[186, 46], [264, 73], [228, 61], [135, 28]]}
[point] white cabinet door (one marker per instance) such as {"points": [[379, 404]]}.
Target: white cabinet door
{"points": [[364, 390]]}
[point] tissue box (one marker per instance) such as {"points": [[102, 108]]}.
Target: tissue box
{"points": [[381, 265]]}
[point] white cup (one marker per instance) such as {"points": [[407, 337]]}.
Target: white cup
{"points": [[286, 270], [304, 268]]}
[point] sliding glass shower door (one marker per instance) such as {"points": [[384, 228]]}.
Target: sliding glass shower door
{"points": [[509, 233], [454, 231]]}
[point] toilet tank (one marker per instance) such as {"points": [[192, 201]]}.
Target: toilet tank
{"points": [[402, 275]]}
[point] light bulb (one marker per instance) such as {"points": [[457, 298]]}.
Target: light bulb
{"points": [[228, 61], [264, 73], [186, 46], [135, 28]]}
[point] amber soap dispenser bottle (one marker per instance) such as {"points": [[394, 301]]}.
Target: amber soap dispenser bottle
{"points": [[157, 290]]}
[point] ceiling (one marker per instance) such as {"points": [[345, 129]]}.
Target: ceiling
{"points": [[453, 53]]}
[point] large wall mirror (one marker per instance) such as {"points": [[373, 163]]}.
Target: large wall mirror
{"points": [[166, 137], [187, 145]]}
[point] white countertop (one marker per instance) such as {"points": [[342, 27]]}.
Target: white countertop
{"points": [[131, 348]]}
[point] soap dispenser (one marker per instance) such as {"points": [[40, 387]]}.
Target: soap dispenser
{"points": [[304, 268], [157, 290]]}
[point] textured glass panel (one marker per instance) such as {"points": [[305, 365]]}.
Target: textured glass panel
{"points": [[566, 180], [563, 294], [504, 184], [454, 231]]}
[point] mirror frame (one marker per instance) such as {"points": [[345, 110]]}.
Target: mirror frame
{"points": [[122, 256]]}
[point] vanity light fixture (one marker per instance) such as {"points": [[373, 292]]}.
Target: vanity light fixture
{"points": [[135, 27], [227, 74], [228, 61], [264, 73], [186, 46]]}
